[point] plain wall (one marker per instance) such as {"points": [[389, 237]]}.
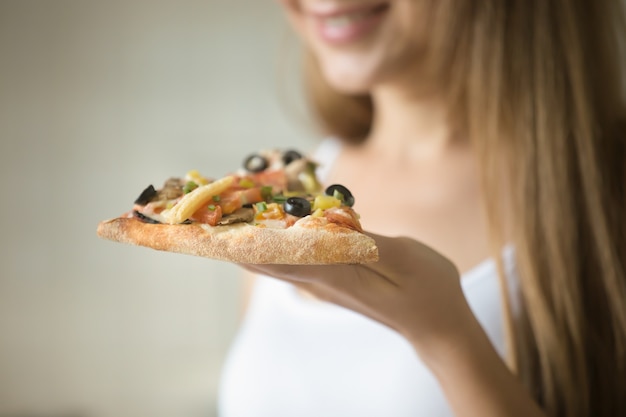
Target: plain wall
{"points": [[98, 99]]}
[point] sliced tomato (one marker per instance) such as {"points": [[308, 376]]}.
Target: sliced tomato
{"points": [[275, 178], [230, 201], [207, 215], [233, 199], [251, 195]]}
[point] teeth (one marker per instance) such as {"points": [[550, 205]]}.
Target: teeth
{"points": [[345, 20]]}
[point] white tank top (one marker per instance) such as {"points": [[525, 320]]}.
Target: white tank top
{"points": [[295, 357]]}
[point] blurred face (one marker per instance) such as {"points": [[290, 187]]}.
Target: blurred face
{"points": [[360, 44]]}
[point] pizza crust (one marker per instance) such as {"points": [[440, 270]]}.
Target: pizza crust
{"points": [[309, 243]]}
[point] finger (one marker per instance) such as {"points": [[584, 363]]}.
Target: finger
{"points": [[340, 284], [404, 257], [387, 250], [347, 299], [391, 254], [302, 273], [317, 289]]}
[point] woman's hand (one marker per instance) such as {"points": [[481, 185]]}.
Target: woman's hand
{"points": [[412, 289], [417, 292]]}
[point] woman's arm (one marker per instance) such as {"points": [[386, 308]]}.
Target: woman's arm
{"points": [[417, 292], [473, 377]]}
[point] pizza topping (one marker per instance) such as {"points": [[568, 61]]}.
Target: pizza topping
{"points": [[145, 218], [146, 196], [273, 160], [297, 206], [172, 189], [341, 193], [343, 216], [256, 163], [275, 178], [233, 200], [193, 201], [246, 182], [271, 211], [325, 202], [271, 215], [309, 179], [290, 156], [318, 213], [152, 207], [276, 190], [266, 192], [279, 198], [210, 215], [189, 187], [243, 215], [284, 170], [195, 176]]}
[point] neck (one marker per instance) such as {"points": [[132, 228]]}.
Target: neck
{"points": [[409, 125]]}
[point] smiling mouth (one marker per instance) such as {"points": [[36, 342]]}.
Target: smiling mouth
{"points": [[347, 25], [349, 18]]}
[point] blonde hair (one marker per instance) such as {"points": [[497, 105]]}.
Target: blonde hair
{"points": [[538, 88]]}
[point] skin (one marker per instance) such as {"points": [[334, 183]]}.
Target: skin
{"points": [[428, 308], [416, 186]]}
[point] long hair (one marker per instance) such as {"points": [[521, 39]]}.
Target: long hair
{"points": [[538, 87]]}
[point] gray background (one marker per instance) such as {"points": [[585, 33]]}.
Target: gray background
{"points": [[97, 100]]}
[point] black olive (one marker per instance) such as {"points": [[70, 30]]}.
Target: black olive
{"points": [[290, 156], [145, 218], [255, 163], [146, 196], [297, 206], [348, 199]]}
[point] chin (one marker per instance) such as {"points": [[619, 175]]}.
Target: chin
{"points": [[349, 80], [349, 85]]}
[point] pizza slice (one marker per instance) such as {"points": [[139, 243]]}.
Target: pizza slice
{"points": [[272, 211]]}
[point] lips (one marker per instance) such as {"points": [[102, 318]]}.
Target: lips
{"points": [[339, 23]]}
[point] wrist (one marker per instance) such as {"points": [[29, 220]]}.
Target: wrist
{"points": [[449, 341]]}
